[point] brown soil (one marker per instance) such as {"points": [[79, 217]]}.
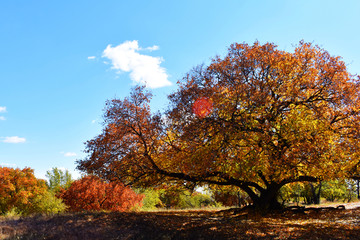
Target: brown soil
{"points": [[319, 224]]}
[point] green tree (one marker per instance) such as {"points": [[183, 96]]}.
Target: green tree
{"points": [[334, 190], [351, 190], [58, 179], [200, 200], [291, 193], [312, 192], [183, 198], [151, 200]]}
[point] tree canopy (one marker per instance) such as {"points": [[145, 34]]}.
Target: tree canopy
{"points": [[258, 118]]}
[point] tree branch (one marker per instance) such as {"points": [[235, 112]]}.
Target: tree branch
{"points": [[299, 179], [261, 175]]}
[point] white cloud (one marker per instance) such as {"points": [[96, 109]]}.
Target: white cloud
{"points": [[2, 118], [153, 48], [91, 57], [14, 139], [2, 109], [143, 69], [69, 154]]}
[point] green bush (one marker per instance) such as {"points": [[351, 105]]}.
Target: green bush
{"points": [[48, 203], [151, 200], [175, 198]]}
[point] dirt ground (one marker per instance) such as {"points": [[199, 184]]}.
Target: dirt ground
{"points": [[166, 225]]}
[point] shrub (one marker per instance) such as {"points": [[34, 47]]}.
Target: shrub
{"points": [[48, 203], [151, 199], [92, 193]]}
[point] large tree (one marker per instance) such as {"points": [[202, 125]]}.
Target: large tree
{"points": [[258, 119]]}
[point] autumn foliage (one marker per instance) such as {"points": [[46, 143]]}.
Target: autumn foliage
{"points": [[202, 107], [20, 190], [92, 193], [272, 118]]}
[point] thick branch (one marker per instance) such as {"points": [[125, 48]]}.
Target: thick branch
{"points": [[261, 175], [299, 179]]}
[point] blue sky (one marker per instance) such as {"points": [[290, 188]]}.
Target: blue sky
{"points": [[61, 60]]}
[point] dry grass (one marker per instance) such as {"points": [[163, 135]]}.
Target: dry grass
{"points": [[197, 224]]}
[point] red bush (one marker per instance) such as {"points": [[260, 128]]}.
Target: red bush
{"points": [[92, 193]]}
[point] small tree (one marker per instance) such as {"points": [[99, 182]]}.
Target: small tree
{"points": [[334, 190], [311, 193], [58, 179], [351, 190]]}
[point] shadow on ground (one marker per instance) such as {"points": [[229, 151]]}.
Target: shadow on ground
{"points": [[320, 224]]}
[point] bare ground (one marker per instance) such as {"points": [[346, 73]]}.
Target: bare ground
{"points": [[314, 224]]}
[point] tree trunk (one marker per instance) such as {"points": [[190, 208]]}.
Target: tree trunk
{"points": [[312, 193], [268, 199], [239, 199], [316, 195]]}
